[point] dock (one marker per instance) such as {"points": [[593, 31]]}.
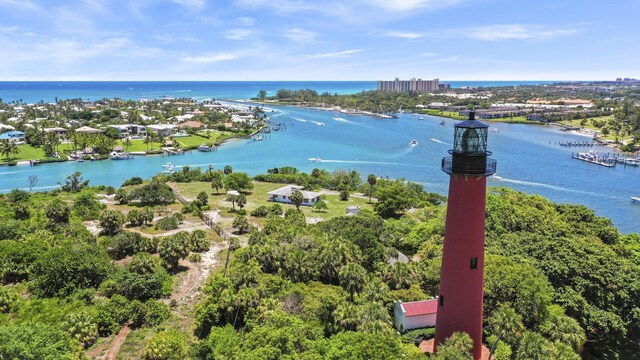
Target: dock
{"points": [[593, 158]]}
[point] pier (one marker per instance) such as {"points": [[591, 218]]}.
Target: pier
{"points": [[594, 158]]}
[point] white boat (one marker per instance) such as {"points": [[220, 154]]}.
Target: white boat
{"points": [[315, 159], [338, 118], [320, 124], [413, 143], [495, 130], [442, 122], [495, 177], [421, 118], [169, 168], [635, 200], [120, 156], [257, 138]]}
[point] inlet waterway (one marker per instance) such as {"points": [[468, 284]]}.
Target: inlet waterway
{"points": [[528, 158]]}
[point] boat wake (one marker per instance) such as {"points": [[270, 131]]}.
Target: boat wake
{"points": [[301, 120], [439, 141], [551, 187], [360, 162], [15, 172]]}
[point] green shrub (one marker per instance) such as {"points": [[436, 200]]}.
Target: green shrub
{"points": [[168, 223], [260, 211]]}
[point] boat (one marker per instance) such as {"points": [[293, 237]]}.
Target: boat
{"points": [[315, 159], [495, 177], [120, 156], [635, 200], [442, 122], [594, 158], [495, 130], [257, 138], [338, 118], [204, 148], [320, 124], [169, 168], [413, 143], [421, 118]]}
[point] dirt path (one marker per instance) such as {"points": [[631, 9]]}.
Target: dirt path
{"points": [[188, 287], [117, 342]]}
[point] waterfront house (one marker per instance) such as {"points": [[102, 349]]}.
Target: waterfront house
{"points": [[415, 314], [284, 193], [87, 130], [126, 130], [4, 127], [192, 125], [17, 137], [163, 129], [61, 132]]}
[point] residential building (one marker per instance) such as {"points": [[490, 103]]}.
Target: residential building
{"points": [[17, 137], [413, 85], [163, 129], [415, 314], [61, 132], [192, 125], [284, 193], [87, 130], [132, 130], [352, 210]]}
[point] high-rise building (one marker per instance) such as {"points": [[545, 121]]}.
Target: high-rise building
{"points": [[413, 85], [462, 275]]}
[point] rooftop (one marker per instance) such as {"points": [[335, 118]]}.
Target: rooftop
{"points": [[417, 308]]}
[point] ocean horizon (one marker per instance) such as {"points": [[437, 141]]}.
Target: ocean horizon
{"points": [[49, 91]]}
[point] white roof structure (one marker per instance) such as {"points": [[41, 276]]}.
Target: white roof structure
{"points": [[88, 130], [290, 189], [158, 127]]}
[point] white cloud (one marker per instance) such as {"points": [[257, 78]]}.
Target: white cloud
{"points": [[210, 58], [408, 5], [192, 4], [238, 34], [405, 35], [246, 21], [300, 35], [20, 4], [513, 31], [337, 54]]}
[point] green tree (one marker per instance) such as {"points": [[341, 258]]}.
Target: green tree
{"points": [[232, 199], [533, 346], [203, 197], [81, 327], [371, 180], [352, 278], [57, 211], [392, 199], [241, 224], [506, 324], [166, 345], [36, 341], [111, 221], [217, 180], [172, 249], [297, 198], [241, 200], [456, 347], [227, 170], [74, 183], [320, 205], [564, 329], [262, 94], [238, 181]]}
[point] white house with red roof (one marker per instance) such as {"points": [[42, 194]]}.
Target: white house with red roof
{"points": [[415, 314]]}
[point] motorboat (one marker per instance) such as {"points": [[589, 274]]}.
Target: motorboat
{"points": [[320, 124], [442, 122], [421, 118], [169, 168], [120, 156], [338, 118], [204, 148], [315, 159], [495, 130], [495, 177], [257, 138], [413, 143], [635, 200]]}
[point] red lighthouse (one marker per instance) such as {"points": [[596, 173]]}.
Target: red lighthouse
{"points": [[462, 275]]}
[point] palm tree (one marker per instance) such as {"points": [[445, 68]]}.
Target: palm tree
{"points": [[127, 143], [566, 330], [505, 323], [533, 347], [352, 278], [457, 346], [371, 179], [563, 352], [346, 316], [398, 275], [13, 148], [6, 149]]}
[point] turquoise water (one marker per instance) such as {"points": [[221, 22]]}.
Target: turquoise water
{"points": [[48, 91], [527, 159]]}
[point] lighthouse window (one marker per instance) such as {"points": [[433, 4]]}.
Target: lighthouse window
{"points": [[441, 300], [474, 263]]}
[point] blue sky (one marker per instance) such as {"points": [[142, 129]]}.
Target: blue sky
{"points": [[318, 40]]}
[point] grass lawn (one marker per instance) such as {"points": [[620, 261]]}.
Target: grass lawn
{"points": [[27, 152], [258, 196], [185, 142], [449, 114], [589, 125]]}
